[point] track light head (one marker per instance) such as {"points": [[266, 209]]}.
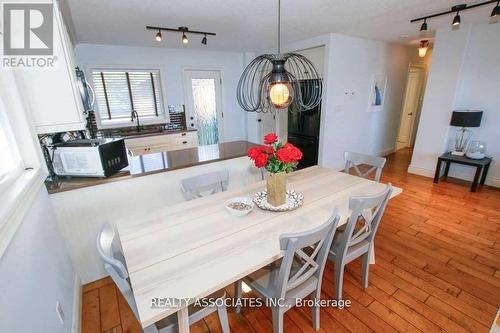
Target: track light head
{"points": [[204, 40], [185, 40], [456, 20], [158, 36], [424, 26], [422, 49], [496, 10]]}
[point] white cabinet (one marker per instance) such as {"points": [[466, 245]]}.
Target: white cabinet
{"points": [[160, 143], [52, 93]]}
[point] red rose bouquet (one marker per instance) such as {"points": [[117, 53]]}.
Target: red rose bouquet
{"points": [[275, 156]]}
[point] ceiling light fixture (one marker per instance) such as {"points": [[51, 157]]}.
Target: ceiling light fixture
{"points": [[422, 49], [456, 10], [496, 10], [158, 36], [185, 31], [456, 19], [273, 81], [424, 26]]}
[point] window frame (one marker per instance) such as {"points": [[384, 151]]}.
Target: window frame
{"points": [[23, 186], [163, 116]]}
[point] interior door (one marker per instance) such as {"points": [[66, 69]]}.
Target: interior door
{"points": [[203, 97], [411, 106]]}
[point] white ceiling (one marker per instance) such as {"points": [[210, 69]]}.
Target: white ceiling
{"points": [[250, 25]]}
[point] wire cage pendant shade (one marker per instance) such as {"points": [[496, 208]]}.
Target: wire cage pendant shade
{"points": [[277, 81]]}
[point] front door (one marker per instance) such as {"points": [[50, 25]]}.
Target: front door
{"points": [[203, 104]]}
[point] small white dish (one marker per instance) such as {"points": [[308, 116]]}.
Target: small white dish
{"points": [[239, 200]]}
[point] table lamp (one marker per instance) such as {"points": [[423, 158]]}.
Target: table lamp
{"points": [[464, 119]]}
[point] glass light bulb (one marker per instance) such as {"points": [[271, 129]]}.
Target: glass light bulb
{"points": [[279, 95], [422, 51]]}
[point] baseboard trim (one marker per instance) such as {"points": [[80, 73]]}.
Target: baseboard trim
{"points": [[77, 305], [490, 181], [386, 151], [421, 171]]}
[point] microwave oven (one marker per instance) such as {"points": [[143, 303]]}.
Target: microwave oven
{"points": [[89, 157]]}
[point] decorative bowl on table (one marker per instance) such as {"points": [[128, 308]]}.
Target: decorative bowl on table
{"points": [[239, 206], [293, 201]]}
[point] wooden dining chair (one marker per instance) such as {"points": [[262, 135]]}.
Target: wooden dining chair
{"points": [[299, 273], [353, 160], [205, 184], [357, 238], [116, 268]]}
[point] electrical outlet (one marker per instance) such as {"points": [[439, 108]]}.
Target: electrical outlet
{"points": [[60, 312]]}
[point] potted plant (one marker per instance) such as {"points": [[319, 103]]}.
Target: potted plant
{"points": [[278, 159]]}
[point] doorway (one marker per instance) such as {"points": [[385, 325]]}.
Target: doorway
{"points": [[412, 104], [204, 105]]}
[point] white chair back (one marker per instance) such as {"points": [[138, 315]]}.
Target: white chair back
{"points": [[205, 184], [114, 263], [354, 159]]}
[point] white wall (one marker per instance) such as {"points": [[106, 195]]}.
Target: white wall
{"points": [[350, 64], [172, 62], [465, 74], [36, 271]]}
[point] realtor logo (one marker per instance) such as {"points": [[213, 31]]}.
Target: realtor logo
{"points": [[28, 29]]}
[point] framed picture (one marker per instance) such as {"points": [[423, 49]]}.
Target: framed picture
{"points": [[377, 92]]}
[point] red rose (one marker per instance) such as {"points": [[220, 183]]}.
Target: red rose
{"points": [[270, 138], [253, 152], [289, 153], [268, 150], [261, 161]]}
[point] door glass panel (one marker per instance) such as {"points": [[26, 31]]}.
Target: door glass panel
{"points": [[205, 110]]}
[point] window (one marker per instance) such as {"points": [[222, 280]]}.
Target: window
{"points": [[10, 162], [119, 92]]}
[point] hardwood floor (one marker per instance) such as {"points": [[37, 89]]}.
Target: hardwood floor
{"points": [[438, 269]]}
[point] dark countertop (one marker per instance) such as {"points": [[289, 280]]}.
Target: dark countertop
{"points": [[158, 162]]}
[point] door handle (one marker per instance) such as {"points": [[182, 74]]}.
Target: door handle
{"points": [[410, 113], [184, 142], [259, 120]]}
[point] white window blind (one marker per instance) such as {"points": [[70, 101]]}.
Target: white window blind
{"points": [[119, 92], [10, 161]]}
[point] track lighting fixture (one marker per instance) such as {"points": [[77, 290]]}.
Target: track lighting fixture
{"points": [[422, 49], [496, 10], [456, 19], [424, 26], [185, 31], [457, 9]]}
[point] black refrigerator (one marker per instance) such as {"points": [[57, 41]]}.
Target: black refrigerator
{"points": [[303, 132]]}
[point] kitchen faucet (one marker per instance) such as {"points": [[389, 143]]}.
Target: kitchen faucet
{"points": [[135, 116]]}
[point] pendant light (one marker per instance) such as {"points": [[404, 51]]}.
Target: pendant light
{"points": [[422, 49], [273, 81]]}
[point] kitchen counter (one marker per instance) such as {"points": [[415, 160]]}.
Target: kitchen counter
{"points": [[157, 162], [145, 133]]}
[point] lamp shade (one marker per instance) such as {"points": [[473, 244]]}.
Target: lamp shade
{"points": [[466, 118]]}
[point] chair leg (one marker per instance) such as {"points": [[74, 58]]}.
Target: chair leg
{"points": [[277, 320], [339, 279], [238, 285], [365, 269], [315, 314], [224, 323]]}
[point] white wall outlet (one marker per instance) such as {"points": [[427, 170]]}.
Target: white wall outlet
{"points": [[60, 312]]}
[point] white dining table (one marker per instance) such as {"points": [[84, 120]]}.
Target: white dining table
{"points": [[195, 248]]}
